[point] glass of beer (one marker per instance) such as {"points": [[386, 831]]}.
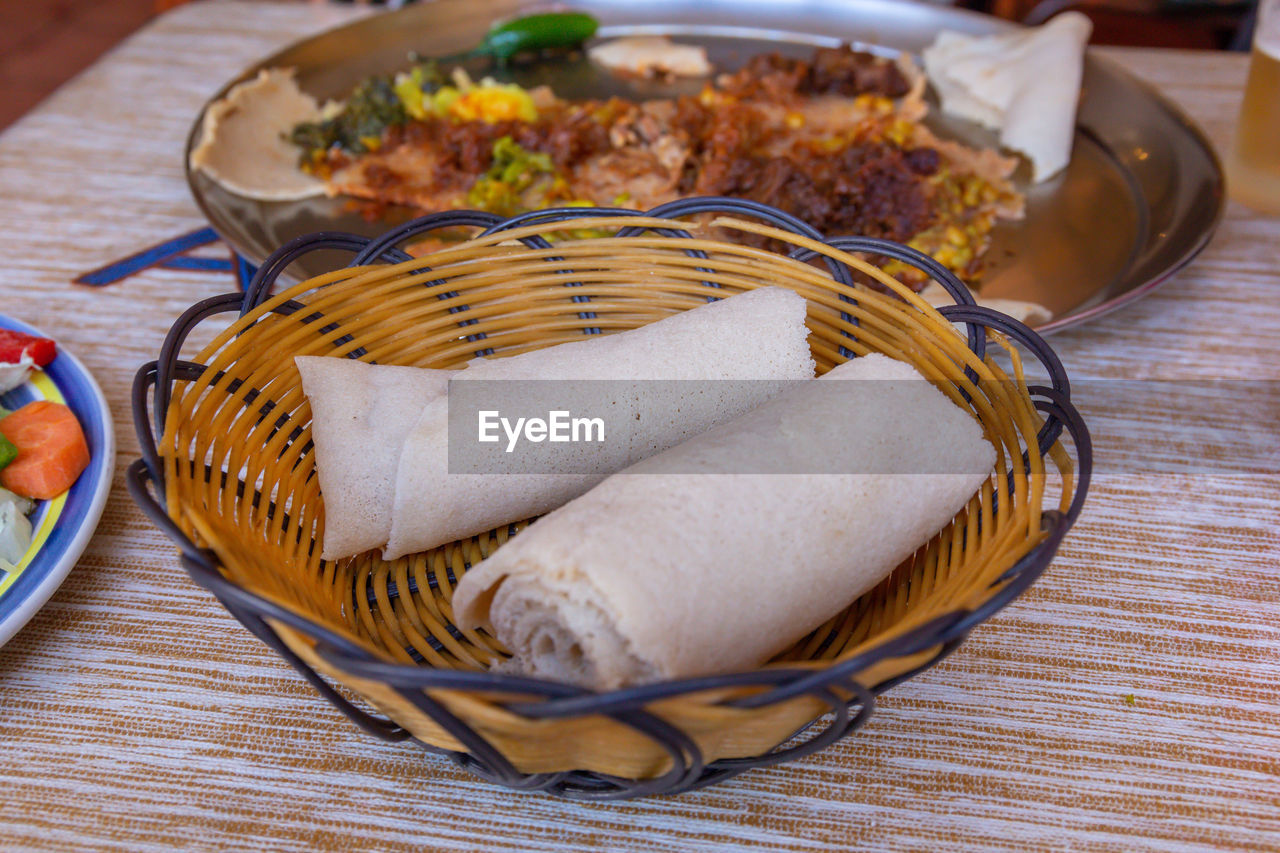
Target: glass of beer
{"points": [[1253, 167]]}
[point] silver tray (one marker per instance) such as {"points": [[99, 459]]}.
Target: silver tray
{"points": [[1141, 197]]}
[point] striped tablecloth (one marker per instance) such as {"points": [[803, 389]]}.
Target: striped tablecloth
{"points": [[1131, 700]]}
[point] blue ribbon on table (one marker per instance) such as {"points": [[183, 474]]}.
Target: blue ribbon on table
{"points": [[172, 254]]}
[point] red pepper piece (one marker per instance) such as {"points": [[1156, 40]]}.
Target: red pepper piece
{"points": [[14, 344]]}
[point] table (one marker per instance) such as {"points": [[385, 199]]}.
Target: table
{"points": [[1131, 700]]}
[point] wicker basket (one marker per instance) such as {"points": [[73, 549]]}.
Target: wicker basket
{"points": [[230, 477]]}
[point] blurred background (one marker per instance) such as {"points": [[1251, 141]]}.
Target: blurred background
{"points": [[45, 43]]}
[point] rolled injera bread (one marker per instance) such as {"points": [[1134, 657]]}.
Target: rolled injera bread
{"points": [[360, 415], [1024, 84], [755, 335], [683, 565]]}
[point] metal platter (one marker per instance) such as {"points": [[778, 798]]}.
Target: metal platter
{"points": [[1141, 197]]}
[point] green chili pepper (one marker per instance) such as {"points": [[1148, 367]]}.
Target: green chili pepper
{"points": [[536, 32]]}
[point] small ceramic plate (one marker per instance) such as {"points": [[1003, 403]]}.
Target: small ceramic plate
{"points": [[60, 528]]}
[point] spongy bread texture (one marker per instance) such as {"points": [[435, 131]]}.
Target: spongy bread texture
{"points": [[755, 335], [244, 143], [1024, 84], [684, 565], [360, 415]]}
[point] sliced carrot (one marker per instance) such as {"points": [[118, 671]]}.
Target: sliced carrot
{"points": [[51, 450]]}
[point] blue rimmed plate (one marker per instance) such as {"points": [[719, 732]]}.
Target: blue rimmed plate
{"points": [[60, 528]]}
